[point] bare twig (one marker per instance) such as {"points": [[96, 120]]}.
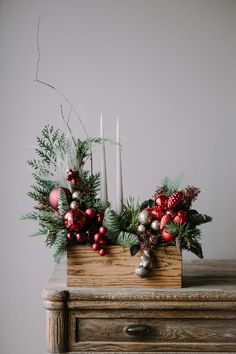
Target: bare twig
{"points": [[67, 124], [65, 98]]}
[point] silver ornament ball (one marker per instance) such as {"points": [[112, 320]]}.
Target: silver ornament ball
{"points": [[74, 204], [141, 228], [155, 225], [145, 217], [76, 195]]}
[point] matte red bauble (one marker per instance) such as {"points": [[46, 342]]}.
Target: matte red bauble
{"points": [[53, 196], [74, 219], [161, 201], [166, 236], [181, 217]]}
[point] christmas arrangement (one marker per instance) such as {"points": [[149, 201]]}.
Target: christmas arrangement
{"points": [[72, 206]]}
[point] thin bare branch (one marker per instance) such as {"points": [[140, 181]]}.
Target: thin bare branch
{"points": [[59, 93], [67, 125]]}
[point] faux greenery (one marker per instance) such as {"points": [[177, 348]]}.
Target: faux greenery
{"points": [[55, 154]]}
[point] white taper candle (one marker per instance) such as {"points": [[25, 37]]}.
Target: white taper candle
{"points": [[103, 186], [119, 184]]}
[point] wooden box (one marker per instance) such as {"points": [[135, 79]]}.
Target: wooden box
{"points": [[117, 268]]}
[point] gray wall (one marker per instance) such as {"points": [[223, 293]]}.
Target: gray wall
{"points": [[166, 68]]}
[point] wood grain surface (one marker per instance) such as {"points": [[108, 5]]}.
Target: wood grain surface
{"points": [[116, 269], [200, 317]]}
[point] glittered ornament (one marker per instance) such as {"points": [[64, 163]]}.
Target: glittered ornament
{"points": [[181, 217], [54, 196], [74, 219], [166, 236], [145, 217], [175, 199], [162, 201]]}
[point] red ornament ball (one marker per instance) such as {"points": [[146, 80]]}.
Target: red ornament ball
{"points": [[95, 247], [90, 213], [162, 201], [74, 219], [103, 230], [102, 252], [166, 236], [157, 213], [97, 237], [53, 196], [181, 217]]}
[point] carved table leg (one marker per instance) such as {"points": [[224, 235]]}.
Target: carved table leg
{"points": [[56, 323]]}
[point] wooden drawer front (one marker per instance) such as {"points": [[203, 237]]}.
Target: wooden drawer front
{"points": [[157, 334]]}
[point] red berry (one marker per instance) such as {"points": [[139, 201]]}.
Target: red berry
{"points": [[97, 237], [103, 241], [90, 213], [102, 252], [69, 236], [95, 247], [166, 236], [103, 230], [79, 237]]}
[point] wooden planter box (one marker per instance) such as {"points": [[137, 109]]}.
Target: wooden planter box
{"points": [[116, 269]]}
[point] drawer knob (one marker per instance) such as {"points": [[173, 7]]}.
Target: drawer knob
{"points": [[136, 329]]}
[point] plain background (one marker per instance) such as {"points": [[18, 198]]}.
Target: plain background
{"points": [[166, 68]]}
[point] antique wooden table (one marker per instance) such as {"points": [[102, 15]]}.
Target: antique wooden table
{"points": [[200, 317]]}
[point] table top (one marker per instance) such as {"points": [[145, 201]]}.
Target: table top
{"points": [[204, 280]]}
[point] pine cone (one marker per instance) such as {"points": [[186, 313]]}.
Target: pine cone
{"points": [[175, 199]]}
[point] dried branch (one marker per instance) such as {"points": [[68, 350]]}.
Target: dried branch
{"points": [[59, 93], [67, 124]]}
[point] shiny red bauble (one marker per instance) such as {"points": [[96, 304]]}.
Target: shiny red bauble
{"points": [[102, 252], [103, 230], [90, 213], [97, 237], [157, 213], [54, 194], [166, 236], [162, 201], [95, 247], [74, 219]]}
